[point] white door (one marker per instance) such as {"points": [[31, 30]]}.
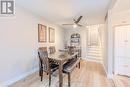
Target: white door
{"points": [[127, 65], [122, 50]]}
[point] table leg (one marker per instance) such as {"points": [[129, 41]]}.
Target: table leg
{"points": [[77, 56], [60, 74]]}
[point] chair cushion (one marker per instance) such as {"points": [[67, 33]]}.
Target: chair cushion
{"points": [[54, 67], [70, 65]]}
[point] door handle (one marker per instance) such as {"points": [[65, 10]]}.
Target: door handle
{"points": [[126, 41], [125, 66]]}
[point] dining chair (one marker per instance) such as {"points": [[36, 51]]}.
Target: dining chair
{"points": [[71, 49], [69, 67], [44, 64], [52, 49]]}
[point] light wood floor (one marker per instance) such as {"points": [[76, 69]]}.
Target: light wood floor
{"points": [[122, 81], [90, 74]]}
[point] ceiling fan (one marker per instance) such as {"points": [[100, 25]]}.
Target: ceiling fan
{"points": [[76, 22]]}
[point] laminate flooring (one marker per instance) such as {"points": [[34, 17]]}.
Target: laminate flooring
{"points": [[91, 74]]}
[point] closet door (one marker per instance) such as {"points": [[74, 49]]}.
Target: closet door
{"points": [[127, 60], [120, 45], [122, 50]]}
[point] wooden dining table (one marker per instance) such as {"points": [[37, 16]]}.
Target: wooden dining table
{"points": [[61, 58]]}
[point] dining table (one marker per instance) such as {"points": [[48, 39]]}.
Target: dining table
{"points": [[61, 58]]}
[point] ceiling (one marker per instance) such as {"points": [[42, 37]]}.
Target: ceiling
{"points": [[121, 5], [121, 12], [63, 11]]}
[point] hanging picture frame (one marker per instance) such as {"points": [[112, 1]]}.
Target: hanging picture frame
{"points": [[51, 35], [42, 33]]}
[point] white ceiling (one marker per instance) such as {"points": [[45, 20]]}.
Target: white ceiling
{"points": [[63, 11], [121, 12], [121, 5], [122, 18]]}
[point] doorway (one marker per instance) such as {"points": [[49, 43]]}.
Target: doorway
{"points": [[94, 50], [93, 35]]}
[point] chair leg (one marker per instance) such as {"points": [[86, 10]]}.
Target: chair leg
{"points": [[49, 79], [41, 74], [69, 80], [79, 65], [41, 77]]}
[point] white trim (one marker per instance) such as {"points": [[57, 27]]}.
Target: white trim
{"points": [[105, 69], [11, 81], [110, 76]]}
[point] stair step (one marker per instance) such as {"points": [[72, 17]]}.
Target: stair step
{"points": [[91, 54], [94, 49], [94, 58], [95, 46], [95, 52], [94, 55]]}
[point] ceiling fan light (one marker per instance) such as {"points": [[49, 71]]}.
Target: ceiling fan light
{"points": [[75, 25]]}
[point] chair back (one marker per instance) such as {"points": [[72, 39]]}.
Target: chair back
{"points": [[52, 49], [43, 58], [43, 49], [71, 49]]}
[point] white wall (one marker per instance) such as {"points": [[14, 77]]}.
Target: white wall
{"points": [[103, 34], [104, 46], [94, 34], [19, 44]]}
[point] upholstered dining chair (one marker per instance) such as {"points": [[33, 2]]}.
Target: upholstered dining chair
{"points": [[52, 49], [44, 64], [71, 49]]}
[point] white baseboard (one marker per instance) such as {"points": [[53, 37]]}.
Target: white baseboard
{"points": [[105, 69], [11, 81], [110, 76]]}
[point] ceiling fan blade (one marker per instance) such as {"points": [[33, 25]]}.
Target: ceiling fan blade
{"points": [[78, 19], [80, 25], [74, 20], [67, 24]]}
